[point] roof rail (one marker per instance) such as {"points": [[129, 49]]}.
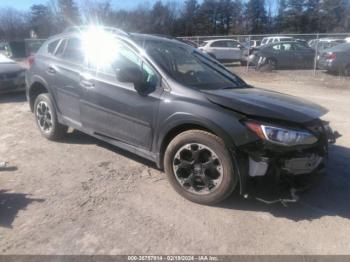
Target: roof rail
{"points": [[113, 30]]}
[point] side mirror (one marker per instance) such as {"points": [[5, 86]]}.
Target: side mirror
{"points": [[129, 75], [133, 75]]}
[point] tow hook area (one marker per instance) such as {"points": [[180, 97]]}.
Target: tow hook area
{"points": [[279, 186], [284, 201]]}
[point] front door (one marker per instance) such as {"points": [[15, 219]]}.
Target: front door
{"points": [[114, 109]]}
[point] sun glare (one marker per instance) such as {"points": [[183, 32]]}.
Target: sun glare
{"points": [[100, 46]]}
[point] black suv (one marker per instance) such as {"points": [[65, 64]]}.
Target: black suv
{"points": [[168, 102]]}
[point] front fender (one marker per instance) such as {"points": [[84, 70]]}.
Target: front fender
{"points": [[181, 119]]}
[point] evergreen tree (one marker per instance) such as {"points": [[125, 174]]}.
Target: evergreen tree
{"points": [[189, 17], [256, 17], [312, 16], [334, 15], [294, 16], [40, 20], [69, 13]]}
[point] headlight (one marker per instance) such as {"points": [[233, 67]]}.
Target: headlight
{"points": [[282, 136]]}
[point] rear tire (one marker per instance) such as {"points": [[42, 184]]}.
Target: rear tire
{"points": [[243, 63], [269, 65], [200, 167], [46, 118]]}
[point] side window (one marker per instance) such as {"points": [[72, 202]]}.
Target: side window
{"points": [[219, 44], [61, 48], [124, 57], [73, 51], [231, 44], [276, 47], [51, 47], [286, 47]]}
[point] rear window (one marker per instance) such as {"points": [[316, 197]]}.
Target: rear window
{"points": [[219, 44], [73, 51], [264, 41], [61, 48], [51, 47]]}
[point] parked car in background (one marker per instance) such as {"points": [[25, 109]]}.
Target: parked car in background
{"points": [[11, 75], [347, 39], [324, 43], [275, 39], [189, 42], [5, 49], [336, 59], [283, 55], [252, 43], [224, 50]]}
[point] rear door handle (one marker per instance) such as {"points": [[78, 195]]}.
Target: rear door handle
{"points": [[51, 70], [86, 84]]}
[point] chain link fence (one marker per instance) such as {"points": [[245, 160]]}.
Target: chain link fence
{"points": [[32, 45], [306, 52]]}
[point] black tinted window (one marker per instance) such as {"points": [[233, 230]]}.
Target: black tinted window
{"points": [[232, 44], [219, 44], [52, 46], [73, 51]]}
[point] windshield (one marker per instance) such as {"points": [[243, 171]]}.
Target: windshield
{"points": [[190, 67]]}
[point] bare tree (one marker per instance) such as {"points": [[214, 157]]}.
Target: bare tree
{"points": [[14, 25]]}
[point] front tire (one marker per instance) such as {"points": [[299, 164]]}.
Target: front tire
{"points": [[269, 65], [199, 167], [46, 118]]}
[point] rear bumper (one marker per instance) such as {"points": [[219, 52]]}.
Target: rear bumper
{"points": [[329, 65]]}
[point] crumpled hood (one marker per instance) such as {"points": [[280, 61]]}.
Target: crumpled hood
{"points": [[266, 104]]}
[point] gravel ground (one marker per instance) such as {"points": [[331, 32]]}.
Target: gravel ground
{"points": [[82, 196]]}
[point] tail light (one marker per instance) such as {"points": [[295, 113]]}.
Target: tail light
{"points": [[331, 56], [31, 60]]}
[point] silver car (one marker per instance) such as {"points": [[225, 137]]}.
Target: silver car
{"points": [[11, 75], [225, 50]]}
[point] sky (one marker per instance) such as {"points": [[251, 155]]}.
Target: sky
{"points": [[26, 4]]}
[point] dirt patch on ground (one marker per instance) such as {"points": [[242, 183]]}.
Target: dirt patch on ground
{"points": [[81, 196]]}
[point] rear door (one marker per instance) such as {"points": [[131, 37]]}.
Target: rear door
{"points": [[284, 55], [45, 61], [305, 56], [218, 48], [234, 50], [67, 69]]}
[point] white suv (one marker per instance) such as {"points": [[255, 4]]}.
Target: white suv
{"points": [[224, 49]]}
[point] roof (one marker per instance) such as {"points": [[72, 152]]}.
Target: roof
{"points": [[278, 36], [220, 39]]}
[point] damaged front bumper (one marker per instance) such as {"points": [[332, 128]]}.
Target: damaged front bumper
{"points": [[274, 173]]}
